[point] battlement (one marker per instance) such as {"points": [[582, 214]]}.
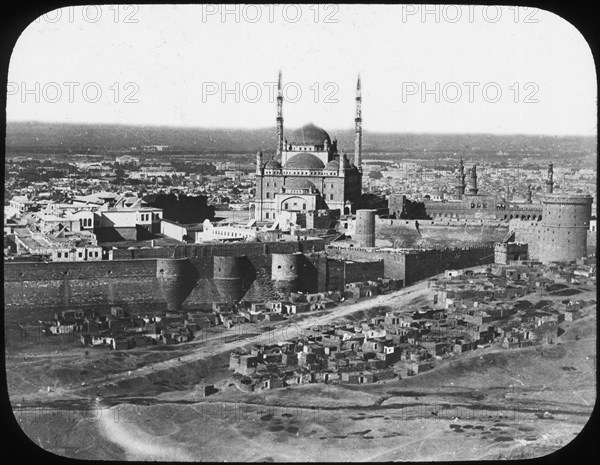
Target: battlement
{"points": [[567, 199]]}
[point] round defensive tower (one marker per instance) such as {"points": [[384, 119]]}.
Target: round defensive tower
{"points": [[175, 280], [564, 226], [227, 276], [365, 228], [285, 269]]}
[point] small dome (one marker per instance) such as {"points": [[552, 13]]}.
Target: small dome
{"points": [[299, 183], [309, 134], [333, 165], [304, 161], [273, 165]]}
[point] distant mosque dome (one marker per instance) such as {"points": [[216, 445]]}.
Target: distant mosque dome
{"points": [[309, 134], [304, 161], [273, 165]]}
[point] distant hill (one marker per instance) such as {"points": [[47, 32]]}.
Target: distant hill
{"points": [[74, 137]]}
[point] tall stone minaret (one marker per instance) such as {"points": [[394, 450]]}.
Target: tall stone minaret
{"points": [[472, 186], [358, 129], [259, 162], [550, 179], [460, 177], [528, 194], [279, 118]]}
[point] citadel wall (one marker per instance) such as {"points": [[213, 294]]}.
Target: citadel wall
{"points": [[188, 281], [412, 266], [441, 233]]}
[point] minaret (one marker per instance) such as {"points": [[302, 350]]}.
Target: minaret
{"points": [[460, 186], [259, 162], [279, 118], [472, 190], [550, 179], [528, 194], [358, 129]]}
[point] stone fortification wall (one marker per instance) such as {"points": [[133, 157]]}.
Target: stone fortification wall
{"points": [[39, 289], [414, 265]]}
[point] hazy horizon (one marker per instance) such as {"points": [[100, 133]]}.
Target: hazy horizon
{"points": [[272, 128]]}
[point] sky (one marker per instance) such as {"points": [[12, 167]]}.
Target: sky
{"points": [[431, 69]]}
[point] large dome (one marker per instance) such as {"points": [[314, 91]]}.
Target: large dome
{"points": [[299, 183], [304, 161], [310, 134]]}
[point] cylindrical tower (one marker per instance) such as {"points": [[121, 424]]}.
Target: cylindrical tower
{"points": [[564, 226], [176, 279], [365, 228], [227, 276], [285, 271]]}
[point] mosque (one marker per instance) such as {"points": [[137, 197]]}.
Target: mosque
{"points": [[308, 173]]}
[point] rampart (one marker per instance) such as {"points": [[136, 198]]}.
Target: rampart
{"points": [[192, 280], [414, 265], [187, 280], [440, 233]]}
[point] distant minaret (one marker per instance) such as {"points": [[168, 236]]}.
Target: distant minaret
{"points": [[472, 190], [279, 118], [460, 186], [358, 129], [550, 179], [528, 194]]}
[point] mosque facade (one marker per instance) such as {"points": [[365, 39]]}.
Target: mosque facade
{"points": [[308, 173]]}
